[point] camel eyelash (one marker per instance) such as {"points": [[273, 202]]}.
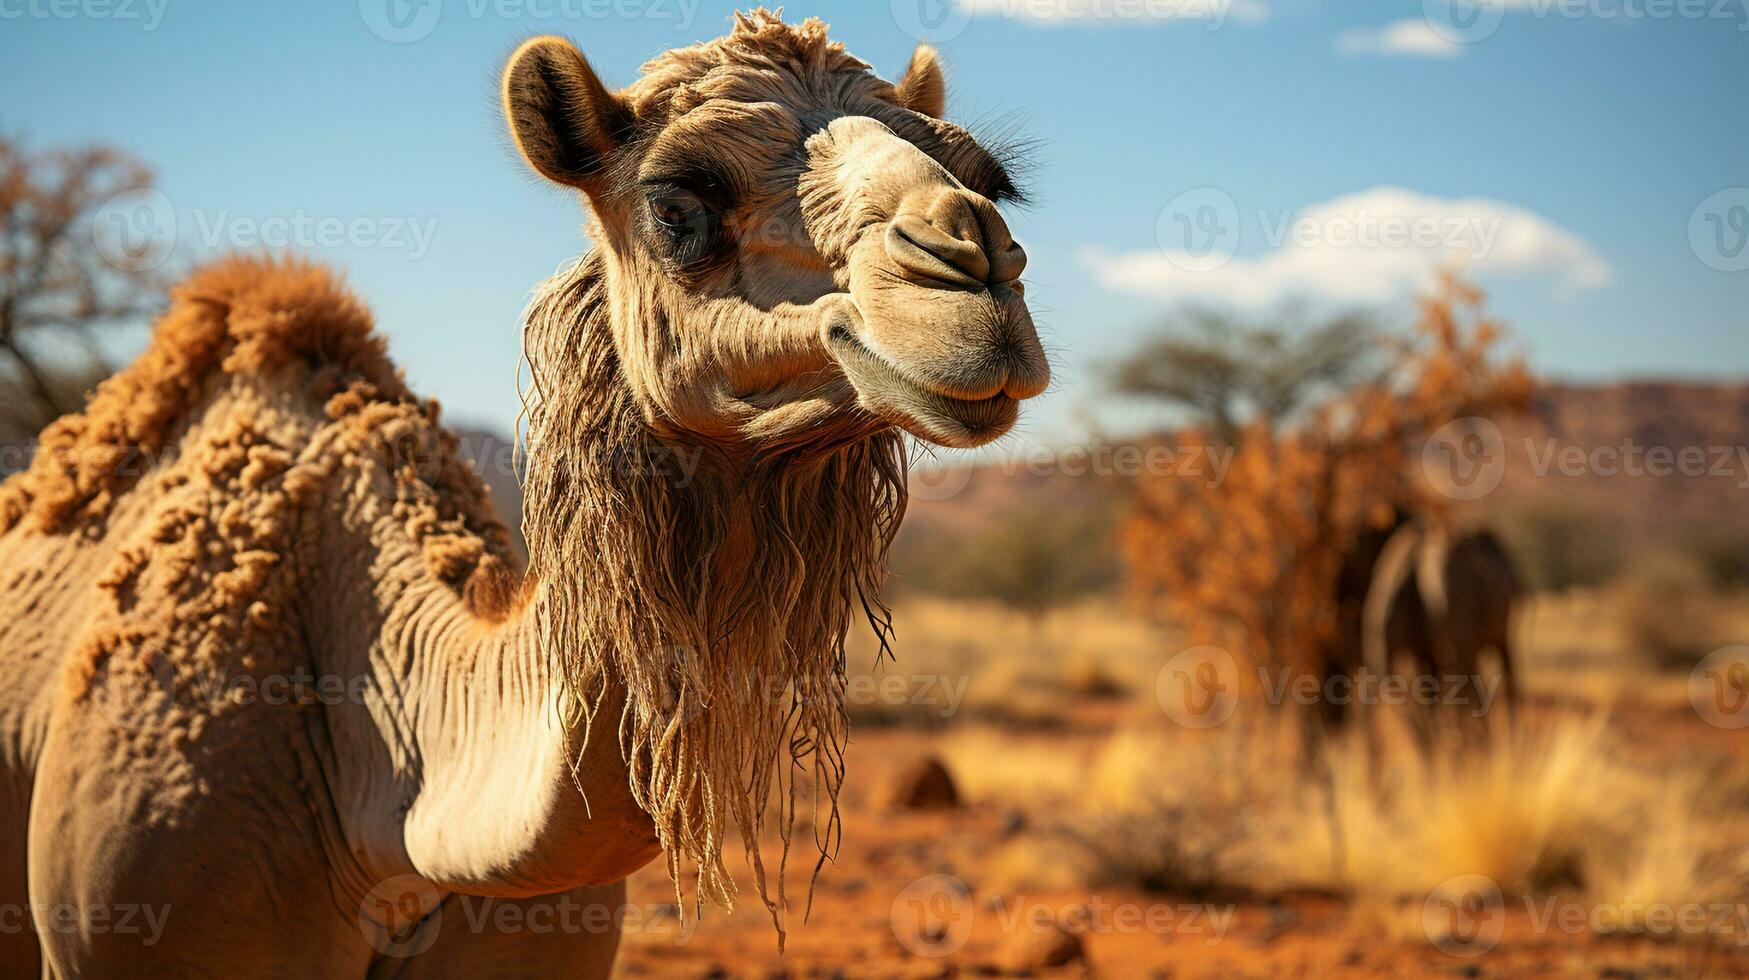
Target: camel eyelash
{"points": [[685, 228]]}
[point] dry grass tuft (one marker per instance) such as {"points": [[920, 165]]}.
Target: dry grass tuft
{"points": [[1519, 811], [1548, 807]]}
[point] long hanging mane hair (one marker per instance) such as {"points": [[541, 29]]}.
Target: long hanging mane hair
{"points": [[716, 593]]}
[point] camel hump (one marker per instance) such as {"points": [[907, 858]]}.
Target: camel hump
{"points": [[238, 316], [254, 313]]}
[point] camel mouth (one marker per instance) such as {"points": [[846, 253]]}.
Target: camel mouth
{"points": [[885, 390]]}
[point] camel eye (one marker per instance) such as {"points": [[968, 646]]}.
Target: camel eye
{"points": [[686, 221], [677, 209]]}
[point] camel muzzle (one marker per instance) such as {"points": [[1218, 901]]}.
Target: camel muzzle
{"points": [[943, 344]]}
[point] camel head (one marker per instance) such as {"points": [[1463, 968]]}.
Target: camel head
{"points": [[797, 252], [793, 260]]}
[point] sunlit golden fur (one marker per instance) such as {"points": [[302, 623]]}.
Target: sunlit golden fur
{"points": [[244, 319]]}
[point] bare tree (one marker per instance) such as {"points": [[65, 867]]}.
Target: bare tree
{"points": [[1226, 370], [58, 284]]}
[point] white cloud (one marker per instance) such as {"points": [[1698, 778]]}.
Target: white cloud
{"points": [[1414, 38], [1213, 13], [1369, 247]]}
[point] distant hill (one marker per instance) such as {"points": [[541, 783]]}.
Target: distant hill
{"points": [[1606, 425], [1600, 423], [1603, 433], [491, 456]]}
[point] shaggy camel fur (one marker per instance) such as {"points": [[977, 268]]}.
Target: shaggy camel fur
{"points": [[278, 703]]}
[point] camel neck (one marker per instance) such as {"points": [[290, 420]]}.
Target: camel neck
{"points": [[456, 762], [516, 795]]}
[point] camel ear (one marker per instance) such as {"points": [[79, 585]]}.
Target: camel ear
{"points": [[924, 87], [565, 122]]}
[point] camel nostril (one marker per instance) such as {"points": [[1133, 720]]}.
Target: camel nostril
{"points": [[926, 252], [954, 236], [1008, 265]]}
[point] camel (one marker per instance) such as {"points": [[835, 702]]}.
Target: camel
{"points": [[279, 696], [1438, 601], [1343, 655]]}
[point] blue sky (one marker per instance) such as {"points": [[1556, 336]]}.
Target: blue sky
{"points": [[1563, 147]]}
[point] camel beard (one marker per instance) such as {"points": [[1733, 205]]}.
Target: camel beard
{"points": [[718, 604]]}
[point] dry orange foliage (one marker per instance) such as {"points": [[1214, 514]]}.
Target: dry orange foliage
{"points": [[1250, 565]]}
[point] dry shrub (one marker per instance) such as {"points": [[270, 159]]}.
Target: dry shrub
{"points": [[1168, 810], [1014, 672], [1031, 557], [1167, 848], [1723, 552], [1666, 610], [1008, 768], [1562, 545], [1250, 565], [874, 702], [1674, 860], [1547, 806], [1090, 677], [1520, 811]]}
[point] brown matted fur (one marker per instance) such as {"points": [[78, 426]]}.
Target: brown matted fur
{"points": [[718, 591], [248, 316]]}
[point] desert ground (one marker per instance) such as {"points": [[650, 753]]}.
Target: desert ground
{"points": [[1091, 836]]}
